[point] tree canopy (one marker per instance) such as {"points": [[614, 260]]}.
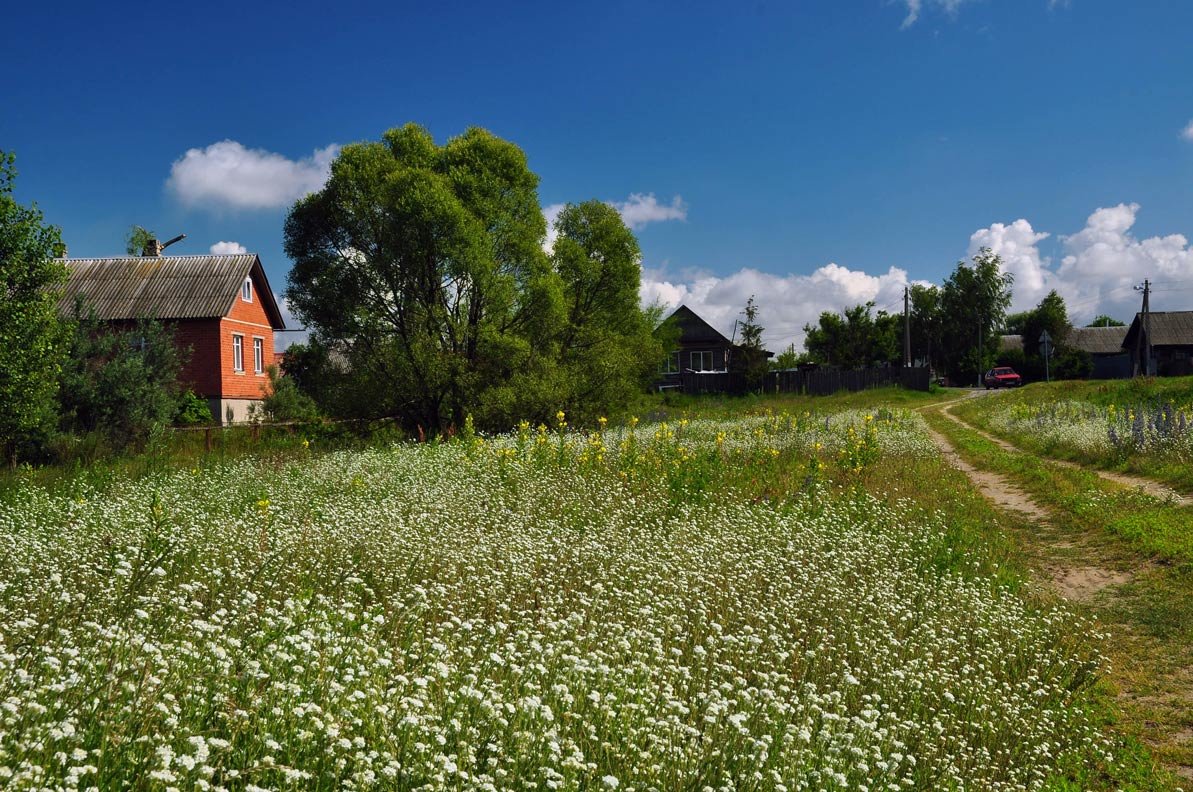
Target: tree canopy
{"points": [[1102, 320], [973, 306], [136, 239], [32, 335], [854, 338], [424, 266]]}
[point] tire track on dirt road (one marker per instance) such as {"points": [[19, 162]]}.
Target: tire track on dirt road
{"points": [[1148, 486], [1067, 570], [1152, 675]]}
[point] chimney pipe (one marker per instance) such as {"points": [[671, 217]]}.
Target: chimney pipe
{"points": [[152, 248]]}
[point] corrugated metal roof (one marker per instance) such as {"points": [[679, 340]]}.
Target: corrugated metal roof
{"points": [[1097, 340], [1008, 343], [1168, 328], [164, 287]]}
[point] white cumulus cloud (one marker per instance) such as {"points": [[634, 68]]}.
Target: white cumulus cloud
{"points": [[1100, 266], [642, 209], [1187, 132], [638, 210], [228, 248], [226, 174], [786, 302]]}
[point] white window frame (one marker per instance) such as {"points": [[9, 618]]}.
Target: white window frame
{"points": [[258, 355], [246, 290], [701, 355], [238, 353]]}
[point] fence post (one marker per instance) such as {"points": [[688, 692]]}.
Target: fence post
{"points": [[207, 439]]}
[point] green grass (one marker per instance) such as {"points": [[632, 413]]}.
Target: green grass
{"points": [[670, 607], [1081, 498], [1175, 471]]}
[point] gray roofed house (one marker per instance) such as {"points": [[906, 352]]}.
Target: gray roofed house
{"points": [[1104, 345], [1171, 340], [164, 287], [1097, 340]]}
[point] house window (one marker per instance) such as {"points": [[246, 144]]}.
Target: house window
{"points": [[246, 290], [258, 355], [670, 364], [701, 361], [237, 352]]}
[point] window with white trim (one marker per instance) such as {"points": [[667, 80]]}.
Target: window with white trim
{"points": [[259, 355], [670, 364], [237, 352], [246, 290], [701, 361]]}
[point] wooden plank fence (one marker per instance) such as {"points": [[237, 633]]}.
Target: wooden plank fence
{"points": [[814, 382]]}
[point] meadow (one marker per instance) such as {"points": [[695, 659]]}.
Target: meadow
{"points": [[724, 603], [1140, 426]]}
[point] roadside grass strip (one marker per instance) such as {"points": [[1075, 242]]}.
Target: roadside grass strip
{"points": [[1150, 437], [1081, 498], [580, 611]]}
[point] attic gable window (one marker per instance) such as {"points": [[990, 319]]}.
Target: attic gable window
{"points": [[246, 290]]}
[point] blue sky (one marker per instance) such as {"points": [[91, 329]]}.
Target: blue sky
{"points": [[818, 154]]}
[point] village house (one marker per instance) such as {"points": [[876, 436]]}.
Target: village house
{"points": [[220, 309], [1104, 345], [1169, 334], [700, 348]]}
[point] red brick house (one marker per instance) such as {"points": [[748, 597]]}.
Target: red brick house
{"points": [[221, 308]]}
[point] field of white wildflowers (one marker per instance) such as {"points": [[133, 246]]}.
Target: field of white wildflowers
{"points": [[1091, 430], [543, 610]]}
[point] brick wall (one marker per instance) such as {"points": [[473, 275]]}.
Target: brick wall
{"points": [[249, 320], [202, 370]]}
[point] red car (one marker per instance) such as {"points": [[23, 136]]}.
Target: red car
{"points": [[1002, 377]]}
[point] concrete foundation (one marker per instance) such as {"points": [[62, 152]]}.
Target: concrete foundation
{"points": [[232, 411]]}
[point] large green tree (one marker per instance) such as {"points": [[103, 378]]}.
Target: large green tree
{"points": [[423, 267], [973, 308], [607, 351], [32, 335], [855, 338], [927, 324], [1051, 316]]}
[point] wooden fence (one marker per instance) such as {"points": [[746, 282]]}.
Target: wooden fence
{"points": [[815, 382]]}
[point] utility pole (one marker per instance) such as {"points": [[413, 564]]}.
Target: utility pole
{"points": [[906, 327], [979, 362], [1143, 349]]}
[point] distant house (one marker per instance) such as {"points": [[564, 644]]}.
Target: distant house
{"points": [[1104, 345], [220, 308], [1170, 336], [701, 348], [1010, 343]]}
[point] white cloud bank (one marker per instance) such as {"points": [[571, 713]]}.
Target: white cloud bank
{"points": [[1100, 266], [228, 249], [228, 175], [637, 211], [787, 302]]}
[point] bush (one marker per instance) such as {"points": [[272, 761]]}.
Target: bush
{"points": [[286, 402], [192, 410], [120, 382]]}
